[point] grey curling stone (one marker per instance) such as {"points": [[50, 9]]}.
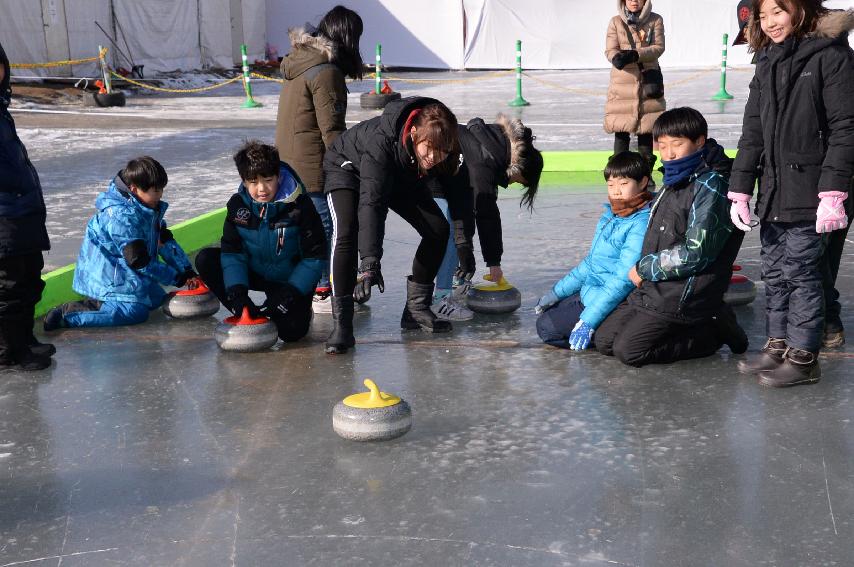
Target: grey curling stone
{"points": [[245, 334], [373, 101], [482, 300], [741, 291], [187, 306], [371, 424]]}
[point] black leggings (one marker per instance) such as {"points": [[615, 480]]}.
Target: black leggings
{"points": [[417, 208]]}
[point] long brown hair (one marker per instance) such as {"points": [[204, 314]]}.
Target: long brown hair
{"points": [[438, 126], [804, 13]]}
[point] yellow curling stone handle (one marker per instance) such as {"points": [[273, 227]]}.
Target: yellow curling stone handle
{"points": [[502, 285], [372, 399]]}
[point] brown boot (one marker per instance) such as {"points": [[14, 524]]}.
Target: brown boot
{"points": [[769, 357], [799, 367]]}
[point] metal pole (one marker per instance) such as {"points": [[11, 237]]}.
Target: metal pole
{"points": [[722, 94], [378, 73], [247, 85], [104, 71], [519, 100]]}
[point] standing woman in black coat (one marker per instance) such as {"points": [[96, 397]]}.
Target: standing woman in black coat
{"points": [[377, 165], [798, 140], [23, 238]]}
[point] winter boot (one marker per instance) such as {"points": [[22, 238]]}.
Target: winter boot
{"points": [[39, 348], [834, 333], [769, 358], [341, 337], [728, 330], [417, 313], [799, 367]]}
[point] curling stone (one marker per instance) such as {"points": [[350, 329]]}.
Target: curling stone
{"points": [[371, 416], [189, 303], [492, 297], [245, 333], [741, 290]]}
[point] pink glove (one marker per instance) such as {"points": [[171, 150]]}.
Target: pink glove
{"points": [[739, 212], [831, 215]]}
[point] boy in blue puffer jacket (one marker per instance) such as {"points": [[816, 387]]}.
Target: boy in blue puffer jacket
{"points": [[579, 302], [118, 268], [272, 241]]}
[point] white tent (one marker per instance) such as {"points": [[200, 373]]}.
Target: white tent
{"points": [[163, 35]]}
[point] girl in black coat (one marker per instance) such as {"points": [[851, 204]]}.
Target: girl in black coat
{"points": [[798, 140], [377, 165], [494, 155]]}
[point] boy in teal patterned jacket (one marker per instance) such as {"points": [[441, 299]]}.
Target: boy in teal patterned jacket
{"points": [[579, 302], [272, 241], [677, 309]]}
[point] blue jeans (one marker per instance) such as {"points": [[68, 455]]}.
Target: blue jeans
{"points": [[322, 207], [445, 277], [91, 313]]}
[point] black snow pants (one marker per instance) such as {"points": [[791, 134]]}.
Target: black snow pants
{"points": [[21, 288], [792, 262], [637, 337]]}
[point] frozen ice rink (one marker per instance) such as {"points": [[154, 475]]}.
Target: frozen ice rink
{"points": [[148, 446]]}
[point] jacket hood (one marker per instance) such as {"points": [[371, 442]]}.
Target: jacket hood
{"points": [[290, 188], [491, 143], [307, 51], [644, 14], [514, 131], [834, 24], [396, 112], [5, 85], [118, 195], [716, 159]]}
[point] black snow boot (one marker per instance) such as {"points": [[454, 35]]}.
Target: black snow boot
{"points": [[417, 313], [341, 337], [769, 358], [728, 330], [834, 332], [799, 367]]}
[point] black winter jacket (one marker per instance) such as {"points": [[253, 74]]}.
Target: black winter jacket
{"points": [[373, 152], [22, 210], [798, 133], [690, 245], [486, 152]]}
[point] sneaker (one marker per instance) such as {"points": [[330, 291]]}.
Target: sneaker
{"points": [[53, 319], [321, 302], [449, 310]]}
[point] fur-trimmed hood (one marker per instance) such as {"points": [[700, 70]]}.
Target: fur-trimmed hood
{"points": [[644, 14], [834, 24], [307, 50], [514, 131]]}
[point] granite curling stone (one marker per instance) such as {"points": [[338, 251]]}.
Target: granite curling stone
{"points": [[195, 301], [371, 416], [741, 290], [246, 334], [493, 298]]}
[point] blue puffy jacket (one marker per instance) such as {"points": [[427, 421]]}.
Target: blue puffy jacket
{"points": [[282, 241], [602, 276], [118, 257]]}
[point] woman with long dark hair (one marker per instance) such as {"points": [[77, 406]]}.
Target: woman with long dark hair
{"points": [[313, 103]]}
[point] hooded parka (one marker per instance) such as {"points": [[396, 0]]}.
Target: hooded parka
{"points": [[312, 106], [626, 110]]}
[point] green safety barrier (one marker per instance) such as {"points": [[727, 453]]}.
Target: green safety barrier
{"points": [[559, 168]]}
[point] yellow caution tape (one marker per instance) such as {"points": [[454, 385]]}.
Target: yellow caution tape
{"points": [[468, 80], [604, 93], [165, 90], [58, 63], [266, 78]]}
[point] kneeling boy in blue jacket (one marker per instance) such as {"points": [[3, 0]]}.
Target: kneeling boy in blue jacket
{"points": [[272, 241], [578, 303], [118, 268]]}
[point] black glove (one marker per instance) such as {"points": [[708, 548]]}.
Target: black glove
{"points": [[369, 275], [465, 270], [238, 300], [624, 57], [280, 299], [181, 279]]}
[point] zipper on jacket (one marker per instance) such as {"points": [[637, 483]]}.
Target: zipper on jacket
{"points": [[686, 292]]}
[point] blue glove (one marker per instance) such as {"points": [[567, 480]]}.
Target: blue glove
{"points": [[581, 335], [546, 301]]}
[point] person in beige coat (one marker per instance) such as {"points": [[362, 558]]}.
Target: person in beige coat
{"points": [[627, 111], [313, 104]]}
